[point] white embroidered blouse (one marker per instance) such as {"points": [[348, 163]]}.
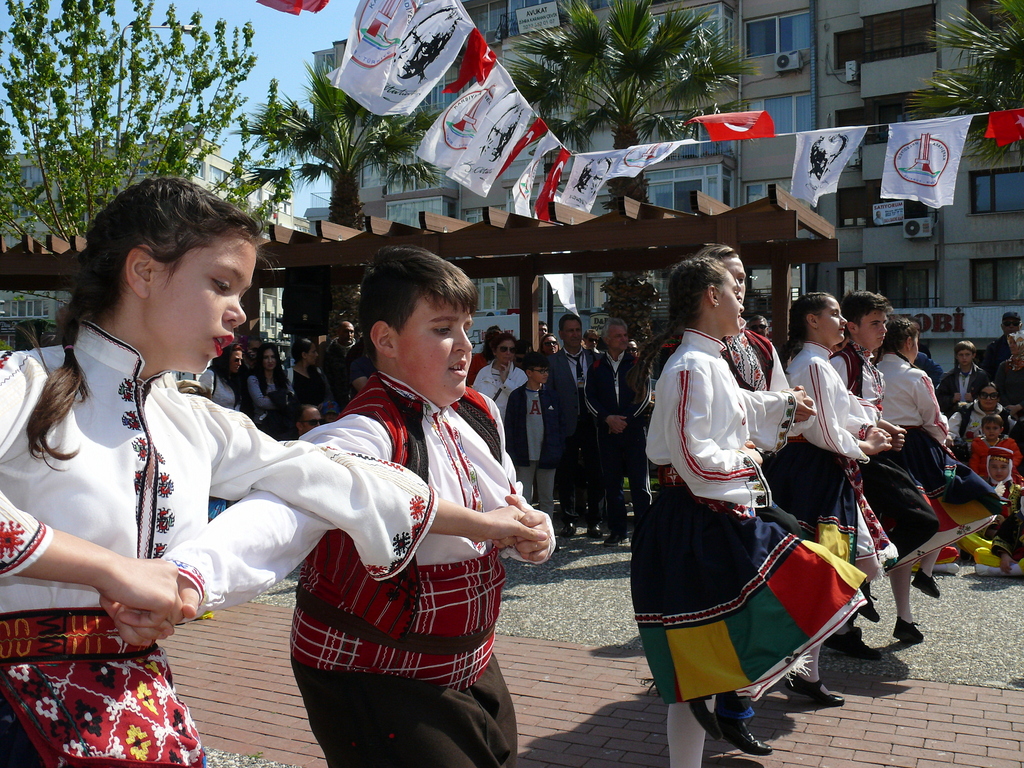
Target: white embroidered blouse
{"points": [[702, 419], [147, 460], [910, 398]]}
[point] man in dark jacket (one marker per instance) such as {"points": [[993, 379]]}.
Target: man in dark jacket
{"points": [[535, 432], [621, 430], [999, 349]]}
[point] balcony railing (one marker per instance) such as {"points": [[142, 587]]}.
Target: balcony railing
{"points": [[899, 51]]}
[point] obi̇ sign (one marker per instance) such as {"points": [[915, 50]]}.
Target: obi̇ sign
{"points": [[537, 17], [980, 324]]}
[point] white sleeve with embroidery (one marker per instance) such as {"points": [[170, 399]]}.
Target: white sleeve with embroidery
{"points": [[769, 417], [830, 428], [23, 539], [933, 422]]}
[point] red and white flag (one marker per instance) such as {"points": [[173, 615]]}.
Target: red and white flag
{"points": [[1005, 127], [922, 159], [477, 62], [550, 188], [498, 135], [398, 50], [591, 170], [447, 139], [523, 190], [730, 126], [294, 6]]}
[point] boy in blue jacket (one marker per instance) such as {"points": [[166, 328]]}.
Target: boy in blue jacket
{"points": [[535, 432]]}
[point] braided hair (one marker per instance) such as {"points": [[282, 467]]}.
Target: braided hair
{"points": [[897, 331], [808, 304]]}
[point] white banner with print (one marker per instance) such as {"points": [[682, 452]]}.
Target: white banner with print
{"points": [[922, 158], [820, 159]]}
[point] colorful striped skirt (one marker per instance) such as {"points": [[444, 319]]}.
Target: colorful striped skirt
{"points": [[729, 604]]}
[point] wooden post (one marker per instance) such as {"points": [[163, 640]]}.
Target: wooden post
{"points": [[528, 284], [781, 289], [251, 306]]}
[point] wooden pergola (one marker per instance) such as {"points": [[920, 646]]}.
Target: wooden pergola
{"points": [[777, 231]]}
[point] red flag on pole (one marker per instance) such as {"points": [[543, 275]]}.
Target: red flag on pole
{"points": [[737, 125], [477, 62], [547, 193], [295, 6], [533, 133], [1005, 127]]}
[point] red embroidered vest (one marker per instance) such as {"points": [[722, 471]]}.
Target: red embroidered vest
{"points": [[333, 571]]}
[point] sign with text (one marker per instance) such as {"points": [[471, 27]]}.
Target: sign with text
{"points": [[887, 213], [537, 17]]}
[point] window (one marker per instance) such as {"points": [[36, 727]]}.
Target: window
{"points": [[789, 113], [997, 191], [852, 280], [324, 60], [886, 112], [756, 191], [217, 175], [997, 279], [847, 117], [31, 175], [408, 211], [778, 34], [900, 33], [671, 189], [982, 10], [490, 17], [720, 18], [852, 207], [368, 177], [904, 286], [849, 47]]}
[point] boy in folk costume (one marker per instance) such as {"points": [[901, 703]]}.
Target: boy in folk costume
{"points": [[993, 432]]}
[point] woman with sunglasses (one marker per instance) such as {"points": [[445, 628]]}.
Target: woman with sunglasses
{"points": [[965, 424], [498, 379]]}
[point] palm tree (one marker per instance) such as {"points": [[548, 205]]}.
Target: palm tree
{"points": [[992, 74], [639, 77], [335, 138]]}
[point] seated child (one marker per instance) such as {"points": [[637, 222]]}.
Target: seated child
{"points": [[535, 432], [1007, 552], [993, 436]]}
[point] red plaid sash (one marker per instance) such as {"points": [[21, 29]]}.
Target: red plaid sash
{"points": [[87, 698]]}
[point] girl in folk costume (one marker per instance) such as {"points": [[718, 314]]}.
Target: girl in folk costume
{"points": [[962, 500], [104, 464], [724, 600], [825, 456]]}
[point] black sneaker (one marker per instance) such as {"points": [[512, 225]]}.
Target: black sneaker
{"points": [[852, 645], [868, 610], [907, 632], [926, 584]]}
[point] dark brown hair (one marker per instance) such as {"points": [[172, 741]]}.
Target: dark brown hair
{"points": [[400, 276], [686, 285], [168, 217], [897, 331], [857, 304], [808, 304]]}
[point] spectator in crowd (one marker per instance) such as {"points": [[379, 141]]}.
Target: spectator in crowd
{"points": [[272, 396], [336, 362], [581, 460], [1009, 378], [999, 350], [621, 430], [330, 412], [956, 385], [498, 379], [542, 328], [308, 382], [359, 371], [522, 347], [993, 435], [223, 378], [758, 324], [252, 355], [925, 362], [309, 418], [548, 344], [485, 356], [965, 423], [535, 433], [591, 340]]}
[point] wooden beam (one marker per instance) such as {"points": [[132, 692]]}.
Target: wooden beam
{"points": [[30, 245], [781, 286], [386, 228], [331, 231], [435, 222], [528, 283], [705, 205], [809, 220], [797, 252], [566, 214], [639, 211], [505, 220], [279, 234], [55, 244]]}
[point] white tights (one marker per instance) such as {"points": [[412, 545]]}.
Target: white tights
{"points": [[685, 737], [899, 580]]}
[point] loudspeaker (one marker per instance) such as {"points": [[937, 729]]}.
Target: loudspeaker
{"points": [[306, 301]]}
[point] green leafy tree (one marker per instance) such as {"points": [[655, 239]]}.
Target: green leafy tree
{"points": [[638, 76], [990, 75], [332, 137], [89, 105]]}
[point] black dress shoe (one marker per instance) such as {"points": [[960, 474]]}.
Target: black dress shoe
{"points": [[852, 645], [706, 717], [568, 530], [868, 611], [926, 584], [614, 540], [594, 532], [736, 733], [815, 691], [907, 632]]}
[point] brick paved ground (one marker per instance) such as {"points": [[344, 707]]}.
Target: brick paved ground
{"points": [[589, 707]]}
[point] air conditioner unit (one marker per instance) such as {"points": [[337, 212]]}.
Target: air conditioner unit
{"points": [[917, 228], [853, 71], [787, 62]]}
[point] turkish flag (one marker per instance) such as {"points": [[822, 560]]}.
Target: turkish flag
{"points": [[547, 193], [295, 6], [1005, 127], [477, 62], [533, 133], [737, 125]]}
